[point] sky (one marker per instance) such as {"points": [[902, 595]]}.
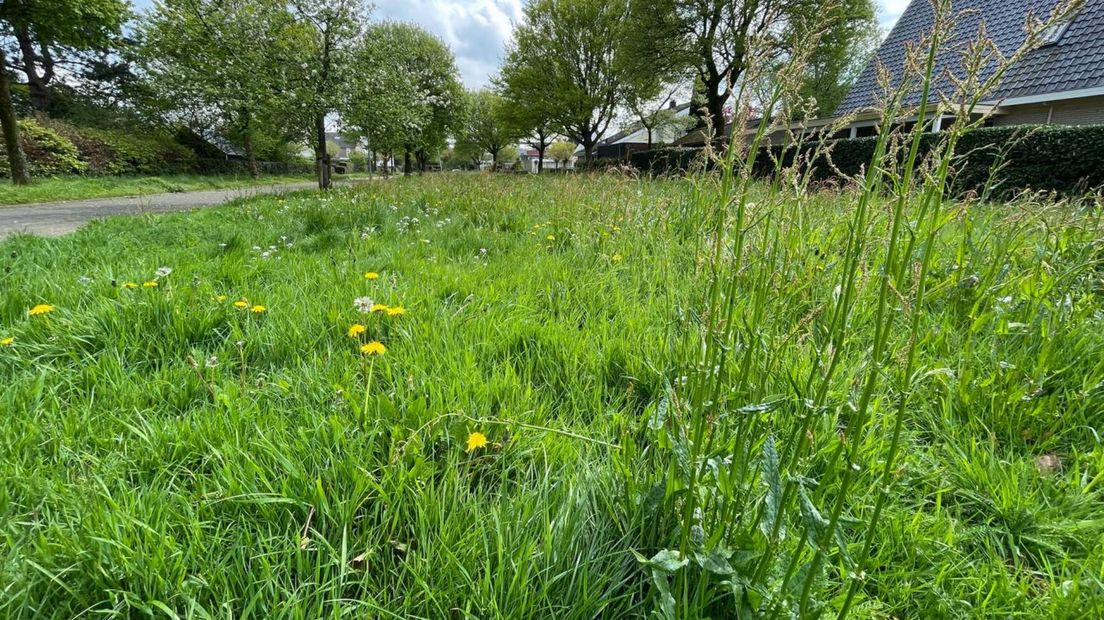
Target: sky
{"points": [[477, 30]]}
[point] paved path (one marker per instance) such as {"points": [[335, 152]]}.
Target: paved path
{"points": [[60, 218]]}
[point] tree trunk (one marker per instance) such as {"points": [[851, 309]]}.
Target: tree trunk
{"points": [[371, 162], [17, 164], [540, 157], [649, 137], [36, 84], [494, 161], [247, 142], [406, 162], [322, 156], [588, 146], [715, 103]]}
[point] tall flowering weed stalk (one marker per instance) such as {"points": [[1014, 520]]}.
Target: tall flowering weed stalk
{"points": [[767, 472]]}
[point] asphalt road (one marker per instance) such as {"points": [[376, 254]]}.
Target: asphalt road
{"points": [[60, 218]]}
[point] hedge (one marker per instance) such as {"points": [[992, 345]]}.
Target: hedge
{"points": [[1063, 159]]}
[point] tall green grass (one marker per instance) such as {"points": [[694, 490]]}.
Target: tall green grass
{"points": [[715, 397], [151, 465]]}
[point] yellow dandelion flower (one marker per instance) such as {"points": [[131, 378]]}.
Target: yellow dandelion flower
{"points": [[551, 237], [616, 258], [7, 342], [396, 311], [130, 285], [476, 440], [379, 307], [258, 309], [41, 309], [356, 330], [219, 298], [373, 348], [371, 275], [150, 284]]}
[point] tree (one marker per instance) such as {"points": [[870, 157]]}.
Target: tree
{"points": [[561, 153], [469, 152], [715, 41], [41, 28], [485, 127], [17, 163], [567, 54], [45, 31], [657, 116], [330, 31], [526, 112], [219, 63], [405, 92], [845, 34], [710, 39]]}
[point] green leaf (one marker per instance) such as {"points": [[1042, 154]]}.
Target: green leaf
{"points": [[666, 601], [772, 508], [659, 416], [668, 560], [715, 561]]}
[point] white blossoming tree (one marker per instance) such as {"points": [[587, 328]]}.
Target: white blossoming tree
{"points": [[405, 92]]}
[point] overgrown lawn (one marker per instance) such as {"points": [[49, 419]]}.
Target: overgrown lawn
{"points": [[166, 452]]}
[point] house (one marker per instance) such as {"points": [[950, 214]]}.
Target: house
{"points": [[529, 158], [343, 149], [635, 138], [1061, 81]]}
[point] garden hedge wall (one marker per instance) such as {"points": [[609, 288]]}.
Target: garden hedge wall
{"points": [[1063, 159]]}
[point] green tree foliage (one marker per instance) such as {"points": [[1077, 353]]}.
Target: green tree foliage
{"points": [[527, 113], [485, 128], [48, 31], [405, 91], [562, 152], [714, 42], [329, 33], [220, 63], [845, 33], [567, 57], [42, 28]]}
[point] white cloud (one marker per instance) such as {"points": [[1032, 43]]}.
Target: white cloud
{"points": [[889, 11], [476, 30]]}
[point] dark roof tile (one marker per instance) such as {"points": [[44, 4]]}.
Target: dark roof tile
{"points": [[1076, 61]]}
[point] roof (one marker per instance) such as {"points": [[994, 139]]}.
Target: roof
{"points": [[1075, 61], [220, 143], [636, 129]]}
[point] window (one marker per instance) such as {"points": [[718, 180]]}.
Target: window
{"points": [[1054, 34]]}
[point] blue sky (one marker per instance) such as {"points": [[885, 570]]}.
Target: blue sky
{"points": [[477, 30]]}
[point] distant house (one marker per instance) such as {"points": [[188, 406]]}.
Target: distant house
{"points": [[635, 138], [344, 147], [530, 157]]}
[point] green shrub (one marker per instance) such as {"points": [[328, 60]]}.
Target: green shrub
{"points": [[1004, 160], [131, 154], [116, 152], [48, 153]]}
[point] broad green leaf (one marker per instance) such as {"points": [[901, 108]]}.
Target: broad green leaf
{"points": [[772, 506]]}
